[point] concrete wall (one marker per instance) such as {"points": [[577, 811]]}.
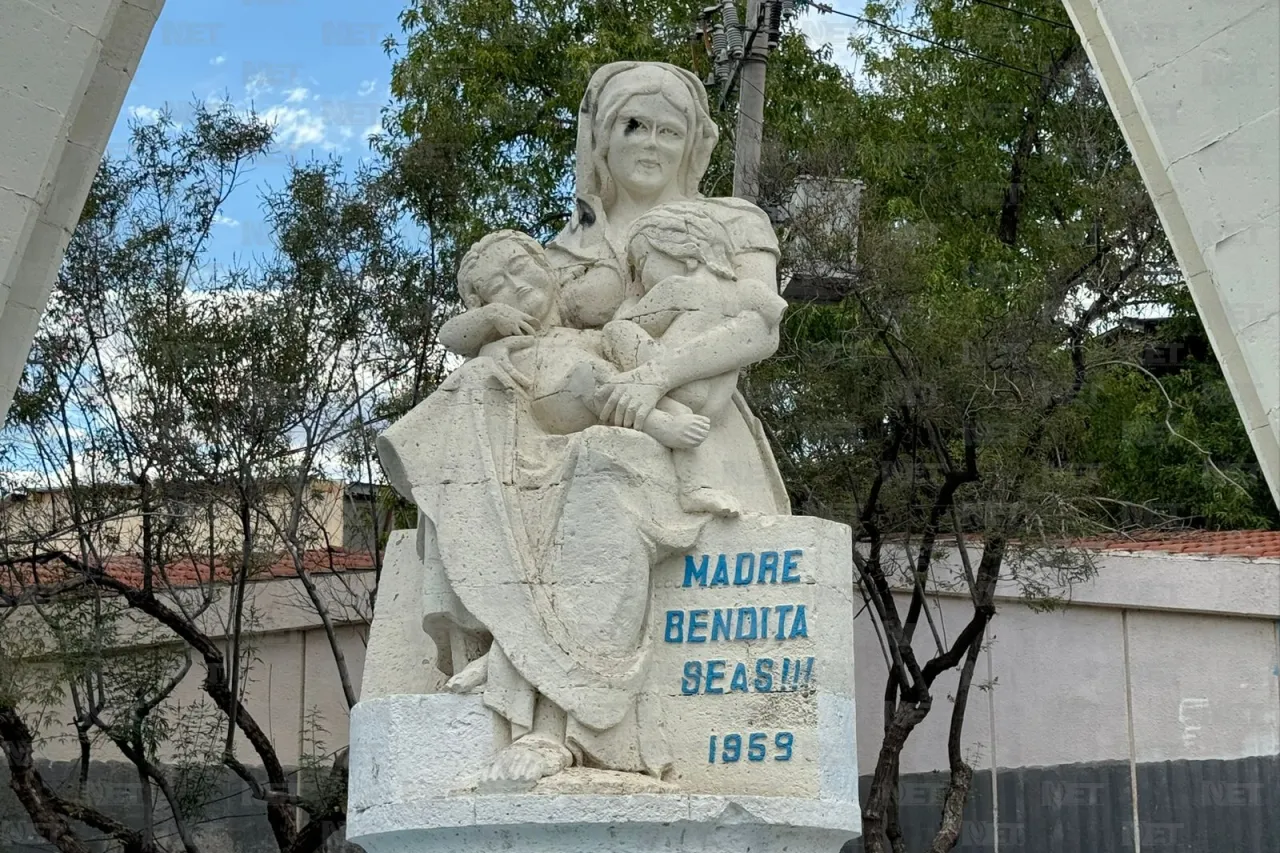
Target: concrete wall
{"points": [[1195, 87], [292, 685], [232, 822], [64, 70], [1146, 715], [292, 677], [1161, 657]]}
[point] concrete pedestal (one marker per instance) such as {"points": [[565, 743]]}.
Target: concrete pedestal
{"points": [[408, 752], [750, 688]]}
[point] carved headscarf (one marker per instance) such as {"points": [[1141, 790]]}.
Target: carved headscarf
{"points": [[608, 92]]}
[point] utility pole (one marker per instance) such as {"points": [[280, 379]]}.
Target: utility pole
{"points": [[740, 52], [823, 206], [746, 154]]}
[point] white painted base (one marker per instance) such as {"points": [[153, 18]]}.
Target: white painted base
{"points": [[407, 752], [630, 838]]}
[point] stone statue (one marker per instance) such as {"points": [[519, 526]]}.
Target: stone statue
{"points": [[544, 520], [590, 484]]}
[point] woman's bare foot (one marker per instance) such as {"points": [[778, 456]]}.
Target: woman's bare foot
{"points": [[518, 768], [710, 500], [472, 678], [679, 432]]}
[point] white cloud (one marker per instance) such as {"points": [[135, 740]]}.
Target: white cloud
{"points": [[296, 127], [372, 130], [220, 219], [218, 60], [296, 95], [832, 30], [346, 132], [144, 113], [366, 88], [258, 84]]}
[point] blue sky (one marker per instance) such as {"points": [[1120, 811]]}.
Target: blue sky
{"points": [[315, 68]]}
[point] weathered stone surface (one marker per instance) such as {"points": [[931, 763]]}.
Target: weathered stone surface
{"points": [[414, 757], [64, 70]]}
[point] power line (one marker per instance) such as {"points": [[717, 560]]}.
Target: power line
{"points": [[823, 7], [744, 81], [1050, 21]]}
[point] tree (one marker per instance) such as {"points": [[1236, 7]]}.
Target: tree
{"points": [[1165, 436], [485, 102], [185, 418], [943, 408]]}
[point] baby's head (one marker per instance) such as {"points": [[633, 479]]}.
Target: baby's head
{"points": [[677, 239], [510, 268]]}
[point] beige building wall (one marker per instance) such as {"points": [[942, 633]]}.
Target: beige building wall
{"points": [[1161, 657], [330, 520], [292, 679]]}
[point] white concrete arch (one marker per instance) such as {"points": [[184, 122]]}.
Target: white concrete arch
{"points": [[65, 67], [1195, 85]]}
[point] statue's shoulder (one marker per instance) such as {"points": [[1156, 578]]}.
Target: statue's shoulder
{"points": [[747, 224]]}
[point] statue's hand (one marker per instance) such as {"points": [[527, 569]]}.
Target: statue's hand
{"points": [[500, 352], [508, 321], [632, 396]]}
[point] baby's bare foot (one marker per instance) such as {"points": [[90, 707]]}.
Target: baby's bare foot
{"points": [[472, 678], [518, 768], [679, 432], [713, 501]]}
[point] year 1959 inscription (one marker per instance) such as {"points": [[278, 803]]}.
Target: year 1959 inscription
{"points": [[758, 747]]}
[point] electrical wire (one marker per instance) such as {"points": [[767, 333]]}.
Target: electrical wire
{"points": [[823, 7], [745, 81], [1050, 21]]}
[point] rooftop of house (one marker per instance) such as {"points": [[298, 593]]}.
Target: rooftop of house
{"points": [[1213, 543], [186, 573]]}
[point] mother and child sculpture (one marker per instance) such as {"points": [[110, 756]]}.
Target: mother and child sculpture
{"points": [[594, 430]]}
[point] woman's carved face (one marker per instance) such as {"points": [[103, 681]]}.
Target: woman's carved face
{"points": [[646, 145]]}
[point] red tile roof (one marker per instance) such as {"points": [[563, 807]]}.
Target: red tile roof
{"points": [[1219, 543], [189, 573]]}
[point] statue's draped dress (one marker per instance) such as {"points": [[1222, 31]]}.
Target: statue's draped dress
{"points": [[545, 542]]}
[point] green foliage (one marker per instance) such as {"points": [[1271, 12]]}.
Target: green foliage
{"points": [[1002, 225], [1173, 449], [486, 95], [486, 100]]}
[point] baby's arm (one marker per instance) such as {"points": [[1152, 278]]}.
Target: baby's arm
{"points": [[684, 310], [627, 345], [673, 424]]}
